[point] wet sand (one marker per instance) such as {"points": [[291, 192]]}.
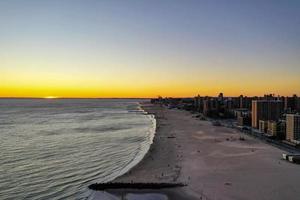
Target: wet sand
{"points": [[212, 161]]}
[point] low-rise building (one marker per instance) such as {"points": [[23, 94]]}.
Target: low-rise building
{"points": [[272, 128], [244, 120], [263, 126]]}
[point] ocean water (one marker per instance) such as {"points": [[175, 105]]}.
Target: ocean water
{"points": [[55, 148]]}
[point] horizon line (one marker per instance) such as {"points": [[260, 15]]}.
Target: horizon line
{"points": [[182, 97], [75, 98]]}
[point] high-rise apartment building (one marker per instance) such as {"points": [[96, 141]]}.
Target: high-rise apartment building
{"points": [[291, 104], [266, 110], [293, 127]]}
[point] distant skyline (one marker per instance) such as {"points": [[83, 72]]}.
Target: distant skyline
{"points": [[72, 48]]}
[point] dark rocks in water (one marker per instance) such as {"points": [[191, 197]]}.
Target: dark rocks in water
{"points": [[105, 186]]}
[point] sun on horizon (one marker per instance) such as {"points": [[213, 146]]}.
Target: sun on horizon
{"points": [[50, 97]]}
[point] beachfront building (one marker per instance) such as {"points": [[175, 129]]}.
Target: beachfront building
{"points": [[198, 103], [266, 110], [243, 117], [241, 112], [293, 128], [292, 104], [272, 128], [210, 106], [244, 120], [262, 126], [245, 102], [277, 129], [281, 129], [219, 107]]}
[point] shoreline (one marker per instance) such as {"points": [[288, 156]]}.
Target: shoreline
{"points": [[151, 156], [212, 161]]}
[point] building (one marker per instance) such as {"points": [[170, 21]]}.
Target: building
{"points": [[243, 116], [263, 126], [241, 112], [293, 127], [272, 128], [241, 101], [266, 110], [244, 120], [292, 104], [210, 106], [281, 129], [245, 102], [276, 129], [198, 103]]}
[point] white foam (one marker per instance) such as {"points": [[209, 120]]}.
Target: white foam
{"points": [[139, 155]]}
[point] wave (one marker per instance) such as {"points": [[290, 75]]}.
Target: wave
{"points": [[143, 150], [101, 129], [60, 152], [139, 155]]}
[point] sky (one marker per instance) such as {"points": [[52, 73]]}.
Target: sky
{"points": [[145, 48]]}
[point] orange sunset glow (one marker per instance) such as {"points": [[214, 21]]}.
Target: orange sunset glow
{"points": [[145, 99], [105, 52]]}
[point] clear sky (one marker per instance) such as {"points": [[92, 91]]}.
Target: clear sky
{"points": [[145, 48]]}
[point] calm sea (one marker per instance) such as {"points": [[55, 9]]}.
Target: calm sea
{"points": [[55, 148]]}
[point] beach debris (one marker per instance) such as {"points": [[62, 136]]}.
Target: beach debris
{"points": [[228, 183]]}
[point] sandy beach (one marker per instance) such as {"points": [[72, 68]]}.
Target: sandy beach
{"points": [[212, 161]]}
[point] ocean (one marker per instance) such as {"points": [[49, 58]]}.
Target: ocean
{"points": [[55, 148]]}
